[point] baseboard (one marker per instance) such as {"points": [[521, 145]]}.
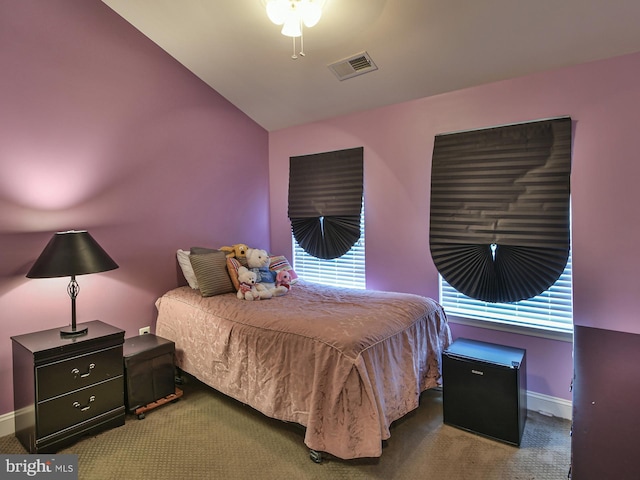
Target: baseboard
{"points": [[547, 405], [7, 424]]}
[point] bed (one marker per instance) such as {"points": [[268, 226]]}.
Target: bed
{"points": [[344, 363]]}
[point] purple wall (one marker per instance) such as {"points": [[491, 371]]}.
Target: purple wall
{"points": [[602, 98], [100, 129]]}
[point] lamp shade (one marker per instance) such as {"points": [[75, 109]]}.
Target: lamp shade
{"points": [[71, 253]]}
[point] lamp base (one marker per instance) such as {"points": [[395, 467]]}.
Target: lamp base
{"points": [[71, 331]]}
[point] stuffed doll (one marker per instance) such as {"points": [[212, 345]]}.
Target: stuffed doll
{"points": [[258, 261], [247, 289], [239, 250], [283, 279]]}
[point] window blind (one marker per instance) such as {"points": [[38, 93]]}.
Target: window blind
{"points": [[325, 198], [550, 310], [345, 271], [499, 223]]}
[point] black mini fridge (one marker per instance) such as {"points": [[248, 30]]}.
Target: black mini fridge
{"points": [[485, 389]]}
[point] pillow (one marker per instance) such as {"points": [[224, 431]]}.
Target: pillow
{"points": [[187, 269], [280, 262], [211, 273], [232, 267], [199, 250]]}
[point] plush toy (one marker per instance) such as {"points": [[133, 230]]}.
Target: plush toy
{"points": [[283, 279], [239, 250], [248, 290], [258, 262]]}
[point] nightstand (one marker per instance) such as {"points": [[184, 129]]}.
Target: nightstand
{"points": [[64, 388], [149, 372]]}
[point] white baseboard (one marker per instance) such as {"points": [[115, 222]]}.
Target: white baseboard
{"points": [[547, 405], [538, 402], [7, 424]]}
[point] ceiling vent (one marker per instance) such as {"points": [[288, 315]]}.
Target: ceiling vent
{"points": [[353, 66]]}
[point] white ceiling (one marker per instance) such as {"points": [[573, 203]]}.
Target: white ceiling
{"points": [[421, 48]]}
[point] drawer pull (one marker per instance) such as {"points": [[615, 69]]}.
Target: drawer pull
{"points": [[76, 372], [92, 398]]}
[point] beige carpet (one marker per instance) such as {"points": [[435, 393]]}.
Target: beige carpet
{"points": [[206, 435]]}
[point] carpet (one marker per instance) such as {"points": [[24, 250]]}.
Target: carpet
{"points": [[206, 435]]}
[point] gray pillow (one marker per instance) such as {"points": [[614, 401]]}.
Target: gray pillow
{"points": [[211, 272], [199, 250]]}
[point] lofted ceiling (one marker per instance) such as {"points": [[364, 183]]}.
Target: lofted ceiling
{"points": [[421, 48]]}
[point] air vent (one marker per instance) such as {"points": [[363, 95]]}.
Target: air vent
{"points": [[353, 66]]}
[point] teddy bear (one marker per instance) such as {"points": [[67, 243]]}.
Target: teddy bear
{"points": [[283, 279], [248, 290], [258, 261], [239, 250]]}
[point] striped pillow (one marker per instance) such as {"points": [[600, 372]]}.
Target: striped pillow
{"points": [[211, 272], [280, 262], [232, 266]]}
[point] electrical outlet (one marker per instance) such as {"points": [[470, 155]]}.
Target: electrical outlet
{"points": [[144, 330]]}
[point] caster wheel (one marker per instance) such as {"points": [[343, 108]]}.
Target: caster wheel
{"points": [[315, 456], [141, 416]]}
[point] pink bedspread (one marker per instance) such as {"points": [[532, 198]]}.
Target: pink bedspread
{"points": [[344, 363]]}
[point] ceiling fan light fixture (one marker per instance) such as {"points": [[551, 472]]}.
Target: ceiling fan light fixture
{"points": [[292, 15], [292, 27]]}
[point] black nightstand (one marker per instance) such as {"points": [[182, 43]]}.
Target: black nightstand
{"points": [[64, 388], [149, 372]]}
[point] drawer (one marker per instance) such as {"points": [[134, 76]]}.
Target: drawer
{"points": [[68, 410], [78, 372]]}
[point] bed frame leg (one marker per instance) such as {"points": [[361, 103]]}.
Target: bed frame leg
{"points": [[315, 455]]}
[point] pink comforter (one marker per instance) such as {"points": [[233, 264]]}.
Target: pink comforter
{"points": [[344, 363]]}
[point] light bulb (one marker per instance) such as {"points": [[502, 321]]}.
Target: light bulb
{"points": [[291, 27], [277, 10], [311, 13]]}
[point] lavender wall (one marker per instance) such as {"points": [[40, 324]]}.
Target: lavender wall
{"points": [[100, 129], [602, 98]]}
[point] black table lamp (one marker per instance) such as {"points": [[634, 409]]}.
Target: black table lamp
{"points": [[69, 254]]}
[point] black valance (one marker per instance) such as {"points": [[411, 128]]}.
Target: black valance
{"points": [[325, 200], [499, 225]]}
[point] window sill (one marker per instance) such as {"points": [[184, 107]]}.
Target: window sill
{"points": [[517, 329]]}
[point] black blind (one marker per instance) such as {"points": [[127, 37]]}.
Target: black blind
{"points": [[499, 224], [325, 199]]}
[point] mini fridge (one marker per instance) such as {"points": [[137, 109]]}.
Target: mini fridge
{"points": [[485, 389]]}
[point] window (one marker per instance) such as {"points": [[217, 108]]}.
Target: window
{"points": [[500, 223], [345, 271], [326, 209], [551, 310]]}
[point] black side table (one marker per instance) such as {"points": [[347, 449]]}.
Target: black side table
{"points": [[65, 388], [149, 372]]}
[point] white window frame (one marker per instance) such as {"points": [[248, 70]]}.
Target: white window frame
{"points": [[548, 315], [345, 271]]}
